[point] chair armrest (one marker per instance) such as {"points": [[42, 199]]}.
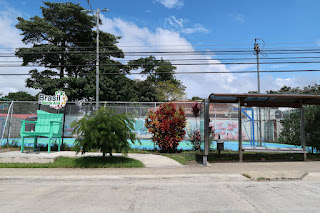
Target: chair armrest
{"points": [[51, 125], [28, 121], [51, 122], [23, 125]]}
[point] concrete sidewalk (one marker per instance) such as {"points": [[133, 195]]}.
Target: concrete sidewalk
{"points": [[149, 160], [306, 171], [160, 166]]}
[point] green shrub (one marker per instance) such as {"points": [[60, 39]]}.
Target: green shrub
{"points": [[105, 130], [290, 133]]}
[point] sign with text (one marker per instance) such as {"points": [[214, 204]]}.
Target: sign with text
{"points": [[56, 101]]}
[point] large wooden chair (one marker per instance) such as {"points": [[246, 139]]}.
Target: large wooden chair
{"points": [[47, 125]]}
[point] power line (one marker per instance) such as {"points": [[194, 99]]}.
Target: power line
{"points": [[177, 73], [174, 64], [215, 59], [161, 53], [145, 47], [162, 43], [157, 51]]}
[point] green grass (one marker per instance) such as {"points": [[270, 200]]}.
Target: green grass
{"points": [[263, 179], [251, 156], [82, 162], [246, 175], [182, 158], [186, 156]]}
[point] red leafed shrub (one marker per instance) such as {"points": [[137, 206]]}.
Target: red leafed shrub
{"points": [[167, 125], [196, 109]]}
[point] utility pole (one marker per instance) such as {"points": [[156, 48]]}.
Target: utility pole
{"points": [[97, 61], [257, 51], [97, 14]]}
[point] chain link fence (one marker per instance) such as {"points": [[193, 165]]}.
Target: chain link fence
{"points": [[74, 111], [223, 117]]}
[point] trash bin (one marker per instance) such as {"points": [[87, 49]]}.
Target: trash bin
{"points": [[220, 146]]}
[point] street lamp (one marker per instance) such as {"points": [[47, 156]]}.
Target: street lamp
{"points": [[97, 13]]}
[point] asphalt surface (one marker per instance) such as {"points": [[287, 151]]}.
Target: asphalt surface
{"points": [[219, 187], [174, 193]]}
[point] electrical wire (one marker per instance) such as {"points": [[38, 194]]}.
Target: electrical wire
{"points": [[215, 59], [177, 73], [174, 64], [160, 43]]}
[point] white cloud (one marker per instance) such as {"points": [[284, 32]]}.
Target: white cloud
{"points": [[143, 39], [171, 3], [241, 67], [10, 39], [175, 22], [278, 66], [10, 36], [148, 11], [290, 82], [178, 24], [197, 28], [238, 17]]}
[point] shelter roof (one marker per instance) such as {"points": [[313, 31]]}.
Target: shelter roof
{"points": [[266, 100]]}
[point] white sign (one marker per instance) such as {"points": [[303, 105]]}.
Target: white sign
{"points": [[56, 101]]}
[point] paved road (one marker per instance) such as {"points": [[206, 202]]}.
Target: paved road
{"points": [[193, 188], [192, 193]]}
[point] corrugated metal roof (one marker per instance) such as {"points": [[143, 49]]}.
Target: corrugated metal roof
{"points": [[266, 100]]}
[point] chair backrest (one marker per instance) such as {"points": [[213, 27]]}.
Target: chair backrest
{"points": [[43, 122]]}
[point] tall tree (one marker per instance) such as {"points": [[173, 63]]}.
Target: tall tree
{"points": [[63, 40], [145, 91], [161, 74], [20, 96], [169, 91]]}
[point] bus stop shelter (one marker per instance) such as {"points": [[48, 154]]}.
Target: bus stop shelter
{"points": [[259, 100]]}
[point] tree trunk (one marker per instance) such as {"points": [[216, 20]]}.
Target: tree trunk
{"points": [[103, 154], [110, 152], [62, 62]]}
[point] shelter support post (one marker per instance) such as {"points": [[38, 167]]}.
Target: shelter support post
{"points": [[206, 132], [63, 124], [302, 132], [240, 131]]}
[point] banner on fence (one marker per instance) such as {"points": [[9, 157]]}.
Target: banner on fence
{"points": [[56, 101]]}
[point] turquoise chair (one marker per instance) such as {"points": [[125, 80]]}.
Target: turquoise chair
{"points": [[47, 125]]}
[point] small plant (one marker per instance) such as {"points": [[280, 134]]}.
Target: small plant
{"points": [[105, 130], [246, 175], [196, 109], [167, 125], [13, 144], [211, 132], [195, 139], [195, 135], [263, 179]]}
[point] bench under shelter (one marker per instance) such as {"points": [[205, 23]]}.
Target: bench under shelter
{"points": [[259, 100]]}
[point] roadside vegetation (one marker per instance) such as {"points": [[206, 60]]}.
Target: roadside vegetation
{"points": [[182, 158], [106, 131], [253, 156], [81, 162], [167, 126]]}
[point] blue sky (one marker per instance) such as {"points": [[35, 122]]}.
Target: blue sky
{"points": [[195, 25]]}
